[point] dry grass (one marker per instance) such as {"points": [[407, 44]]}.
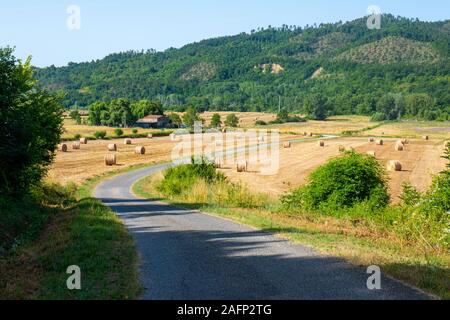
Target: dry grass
{"points": [[412, 129], [333, 125]]}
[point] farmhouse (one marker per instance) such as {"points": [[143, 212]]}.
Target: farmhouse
{"points": [[153, 121]]}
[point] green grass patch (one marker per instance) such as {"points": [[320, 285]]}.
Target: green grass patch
{"points": [[80, 231]]}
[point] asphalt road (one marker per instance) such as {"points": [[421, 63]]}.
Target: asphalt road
{"points": [[190, 255]]}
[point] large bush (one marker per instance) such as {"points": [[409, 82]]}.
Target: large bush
{"points": [[183, 177], [343, 182], [30, 126]]}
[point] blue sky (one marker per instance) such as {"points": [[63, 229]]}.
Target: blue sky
{"points": [[38, 27]]}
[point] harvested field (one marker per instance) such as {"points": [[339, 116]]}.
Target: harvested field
{"points": [[79, 165], [421, 160]]}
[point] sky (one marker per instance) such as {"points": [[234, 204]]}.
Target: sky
{"points": [[39, 27]]}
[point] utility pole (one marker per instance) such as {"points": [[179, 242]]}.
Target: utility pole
{"points": [[279, 103]]}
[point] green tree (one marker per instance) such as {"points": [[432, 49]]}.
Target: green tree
{"points": [[175, 119], [315, 107], [190, 117], [216, 121], [143, 108], [283, 116], [75, 115], [30, 124], [232, 121], [97, 113]]}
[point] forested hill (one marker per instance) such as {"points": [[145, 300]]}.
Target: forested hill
{"points": [[344, 66]]}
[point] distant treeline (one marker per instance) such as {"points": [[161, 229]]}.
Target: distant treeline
{"points": [[401, 70]]}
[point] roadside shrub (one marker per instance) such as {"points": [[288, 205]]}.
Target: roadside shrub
{"points": [[343, 182], [100, 134], [118, 132], [410, 196], [183, 177], [77, 136], [134, 131]]}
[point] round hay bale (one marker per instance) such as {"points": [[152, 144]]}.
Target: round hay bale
{"points": [[380, 142], [371, 153], [305, 133], [112, 147], [139, 150], [399, 147], [321, 143], [149, 136], [76, 145], [241, 166], [341, 148], [127, 141], [371, 139], [426, 138], [111, 159], [394, 165], [83, 140], [405, 141], [310, 134], [287, 145], [62, 147]]}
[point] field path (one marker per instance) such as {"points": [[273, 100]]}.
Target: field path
{"points": [[187, 254]]}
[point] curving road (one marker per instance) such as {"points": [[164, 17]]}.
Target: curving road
{"points": [[186, 254]]}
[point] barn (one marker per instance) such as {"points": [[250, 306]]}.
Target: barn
{"points": [[153, 121]]}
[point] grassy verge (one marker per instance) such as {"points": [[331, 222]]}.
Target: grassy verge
{"points": [[85, 233], [357, 241]]}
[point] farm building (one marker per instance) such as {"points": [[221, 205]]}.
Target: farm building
{"points": [[153, 121]]}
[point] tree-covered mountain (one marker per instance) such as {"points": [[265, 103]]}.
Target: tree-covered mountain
{"points": [[402, 69]]}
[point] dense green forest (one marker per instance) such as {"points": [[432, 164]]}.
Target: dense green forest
{"points": [[401, 70]]}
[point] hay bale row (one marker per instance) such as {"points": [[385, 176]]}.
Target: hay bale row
{"points": [[394, 165], [371, 139], [139, 150], [112, 147], [83, 140], [380, 142], [111, 159], [242, 166], [76, 145], [127, 141]]}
